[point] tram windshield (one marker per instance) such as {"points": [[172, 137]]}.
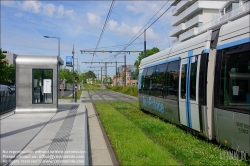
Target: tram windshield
{"points": [[235, 78]]}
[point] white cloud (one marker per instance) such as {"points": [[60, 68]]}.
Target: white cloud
{"points": [[94, 20], [70, 13], [60, 10], [112, 25], [128, 31], [33, 6], [143, 7], [8, 3], [37, 7], [18, 15], [49, 10]]}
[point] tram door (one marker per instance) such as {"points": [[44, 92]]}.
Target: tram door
{"points": [[188, 92]]}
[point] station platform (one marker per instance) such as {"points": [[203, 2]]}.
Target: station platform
{"points": [[72, 136]]}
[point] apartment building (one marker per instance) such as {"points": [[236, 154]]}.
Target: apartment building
{"points": [[193, 17]]}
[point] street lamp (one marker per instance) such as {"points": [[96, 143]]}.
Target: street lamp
{"points": [[58, 43]]}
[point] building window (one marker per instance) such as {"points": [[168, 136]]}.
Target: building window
{"points": [[42, 86]]}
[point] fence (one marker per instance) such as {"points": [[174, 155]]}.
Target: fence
{"points": [[7, 102]]}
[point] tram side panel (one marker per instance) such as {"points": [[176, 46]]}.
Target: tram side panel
{"points": [[232, 86], [155, 95]]}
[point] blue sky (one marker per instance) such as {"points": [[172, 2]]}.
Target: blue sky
{"points": [[24, 23]]}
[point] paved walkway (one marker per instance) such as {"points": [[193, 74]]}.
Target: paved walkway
{"points": [[54, 139]]}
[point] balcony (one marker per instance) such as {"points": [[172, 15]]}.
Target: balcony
{"points": [[180, 7], [177, 30], [230, 16], [190, 33], [195, 8], [194, 21], [173, 2]]}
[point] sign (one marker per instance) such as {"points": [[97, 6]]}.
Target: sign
{"points": [[69, 61], [46, 85]]}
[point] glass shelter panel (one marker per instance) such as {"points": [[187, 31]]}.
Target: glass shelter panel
{"points": [[42, 86]]}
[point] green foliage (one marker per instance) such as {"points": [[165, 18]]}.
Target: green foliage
{"points": [[69, 76], [109, 81], [90, 74], [129, 90], [7, 73], [149, 52]]}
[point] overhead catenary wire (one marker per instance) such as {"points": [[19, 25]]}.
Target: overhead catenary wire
{"points": [[104, 27], [131, 41]]}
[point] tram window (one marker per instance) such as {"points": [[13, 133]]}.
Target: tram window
{"points": [[173, 80], [193, 75], [149, 80], [160, 82], [143, 84], [183, 80], [235, 78]]}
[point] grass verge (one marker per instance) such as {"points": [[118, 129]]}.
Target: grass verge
{"points": [[132, 147], [186, 148], [92, 87]]}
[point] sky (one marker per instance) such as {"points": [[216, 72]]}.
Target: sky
{"points": [[25, 23]]}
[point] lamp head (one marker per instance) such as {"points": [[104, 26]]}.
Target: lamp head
{"points": [[46, 36]]}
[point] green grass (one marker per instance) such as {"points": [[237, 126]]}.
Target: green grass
{"points": [[129, 90], [132, 147], [185, 147], [92, 87]]}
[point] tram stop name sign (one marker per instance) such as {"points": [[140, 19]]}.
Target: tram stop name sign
{"points": [[69, 61]]}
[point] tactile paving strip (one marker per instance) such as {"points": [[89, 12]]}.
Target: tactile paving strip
{"points": [[58, 146]]}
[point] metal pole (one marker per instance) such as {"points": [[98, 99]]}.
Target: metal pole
{"points": [[59, 47], [116, 73], [144, 43], [73, 73], [125, 69], [106, 75], [101, 74]]}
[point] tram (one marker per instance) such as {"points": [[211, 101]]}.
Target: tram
{"points": [[203, 84]]}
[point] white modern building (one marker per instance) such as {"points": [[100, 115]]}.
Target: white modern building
{"points": [[193, 17], [10, 57]]}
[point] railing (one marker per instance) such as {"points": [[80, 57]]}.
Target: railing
{"points": [[237, 12], [7, 102]]}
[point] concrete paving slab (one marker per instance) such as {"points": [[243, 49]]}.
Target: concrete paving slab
{"points": [[100, 154], [16, 133]]}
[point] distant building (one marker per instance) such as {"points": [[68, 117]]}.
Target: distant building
{"points": [[131, 78], [10, 57], [193, 17]]}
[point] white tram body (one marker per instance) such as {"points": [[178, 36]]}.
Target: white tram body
{"points": [[203, 84]]}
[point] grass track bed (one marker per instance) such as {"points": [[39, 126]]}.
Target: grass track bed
{"points": [[185, 147], [132, 147]]}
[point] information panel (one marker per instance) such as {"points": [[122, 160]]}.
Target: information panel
{"points": [[47, 86]]}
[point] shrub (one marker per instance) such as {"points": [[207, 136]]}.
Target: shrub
{"points": [[129, 90]]}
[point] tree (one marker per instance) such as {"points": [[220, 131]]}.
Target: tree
{"points": [[7, 73], [149, 52], [90, 74]]}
